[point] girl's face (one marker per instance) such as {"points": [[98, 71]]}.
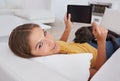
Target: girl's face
{"points": [[42, 43]]}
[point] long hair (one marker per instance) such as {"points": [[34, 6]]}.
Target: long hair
{"points": [[19, 40]]}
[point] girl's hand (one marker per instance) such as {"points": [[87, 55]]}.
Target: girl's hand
{"points": [[67, 30], [68, 23], [99, 32]]}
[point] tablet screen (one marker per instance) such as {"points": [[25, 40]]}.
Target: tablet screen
{"points": [[80, 13]]}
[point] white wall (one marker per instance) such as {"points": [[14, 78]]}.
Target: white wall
{"points": [[60, 6], [57, 6], [37, 4]]}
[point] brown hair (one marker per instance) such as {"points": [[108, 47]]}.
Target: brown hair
{"points": [[19, 40]]}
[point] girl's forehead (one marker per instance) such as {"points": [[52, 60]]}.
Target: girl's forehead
{"points": [[37, 31]]}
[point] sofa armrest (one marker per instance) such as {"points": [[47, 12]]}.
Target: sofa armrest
{"points": [[110, 71]]}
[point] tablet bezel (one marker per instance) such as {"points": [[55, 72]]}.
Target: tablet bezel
{"points": [[80, 13]]}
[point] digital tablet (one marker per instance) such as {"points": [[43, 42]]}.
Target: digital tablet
{"points": [[80, 13]]}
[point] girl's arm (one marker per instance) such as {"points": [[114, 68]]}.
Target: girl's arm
{"points": [[100, 33], [67, 30]]}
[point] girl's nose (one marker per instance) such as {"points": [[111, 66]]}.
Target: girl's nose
{"points": [[50, 43]]}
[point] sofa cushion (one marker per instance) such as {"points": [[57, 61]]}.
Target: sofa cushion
{"points": [[14, 68], [72, 66], [34, 15]]}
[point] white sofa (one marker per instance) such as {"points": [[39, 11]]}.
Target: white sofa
{"points": [[13, 68], [72, 68]]}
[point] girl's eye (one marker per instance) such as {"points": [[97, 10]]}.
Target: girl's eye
{"points": [[40, 45], [45, 33]]}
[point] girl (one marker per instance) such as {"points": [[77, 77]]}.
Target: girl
{"points": [[29, 40]]}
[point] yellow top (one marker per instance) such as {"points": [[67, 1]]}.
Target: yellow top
{"points": [[74, 48]]}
